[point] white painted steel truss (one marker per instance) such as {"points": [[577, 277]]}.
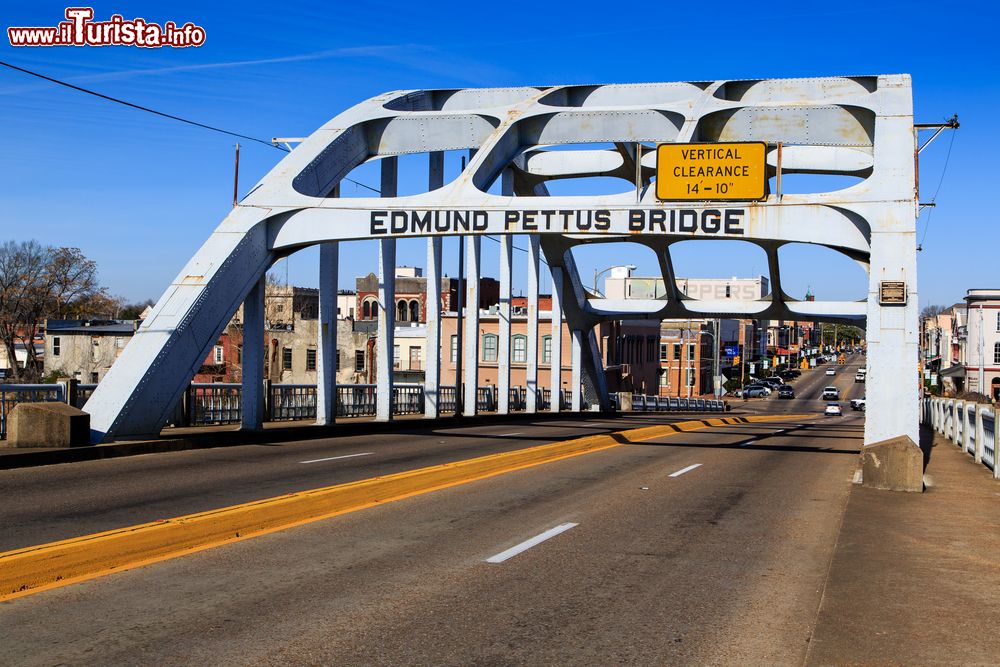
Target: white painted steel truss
{"points": [[855, 126]]}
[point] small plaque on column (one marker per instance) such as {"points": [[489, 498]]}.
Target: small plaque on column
{"points": [[892, 292]]}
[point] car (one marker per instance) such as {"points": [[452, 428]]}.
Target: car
{"points": [[860, 376], [790, 374], [830, 371], [786, 391], [831, 393], [858, 404], [833, 410], [772, 382], [756, 392]]}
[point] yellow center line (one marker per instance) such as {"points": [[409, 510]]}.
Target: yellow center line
{"points": [[37, 568]]}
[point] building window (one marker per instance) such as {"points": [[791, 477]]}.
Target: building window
{"points": [[395, 356], [414, 311], [310, 359], [239, 354], [490, 347], [996, 353], [690, 377], [93, 378], [454, 349], [414, 358], [95, 348], [366, 311], [546, 349], [401, 311], [120, 342], [998, 321], [691, 347], [219, 354], [56, 346], [729, 291], [664, 380], [336, 360], [359, 361], [286, 358], [663, 352], [677, 351], [520, 349]]}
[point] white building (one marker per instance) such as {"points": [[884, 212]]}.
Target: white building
{"points": [[982, 342]]}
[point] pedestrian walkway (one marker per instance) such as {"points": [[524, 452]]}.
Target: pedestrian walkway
{"points": [[915, 578]]}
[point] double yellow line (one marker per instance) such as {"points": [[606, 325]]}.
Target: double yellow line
{"points": [[34, 569]]}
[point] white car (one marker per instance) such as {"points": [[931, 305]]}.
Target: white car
{"points": [[831, 393], [830, 371], [833, 410], [858, 404]]}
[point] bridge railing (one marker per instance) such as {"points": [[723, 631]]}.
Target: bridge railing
{"points": [[220, 403], [971, 426]]}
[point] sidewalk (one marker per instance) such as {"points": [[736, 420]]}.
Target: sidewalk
{"points": [[915, 578]]}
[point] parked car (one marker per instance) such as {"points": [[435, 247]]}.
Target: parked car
{"points": [[772, 382], [786, 391], [790, 374], [756, 392], [831, 393], [830, 371], [858, 404], [833, 410]]}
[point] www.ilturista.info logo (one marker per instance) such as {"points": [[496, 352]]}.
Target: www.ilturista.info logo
{"points": [[80, 29]]}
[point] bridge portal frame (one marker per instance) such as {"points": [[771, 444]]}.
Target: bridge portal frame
{"points": [[848, 126]]}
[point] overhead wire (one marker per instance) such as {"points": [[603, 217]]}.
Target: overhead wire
{"points": [[140, 107], [944, 170], [194, 123]]}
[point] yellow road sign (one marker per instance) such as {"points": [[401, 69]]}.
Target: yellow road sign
{"points": [[711, 172]]}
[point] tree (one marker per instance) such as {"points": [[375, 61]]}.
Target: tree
{"points": [[932, 311], [36, 282]]}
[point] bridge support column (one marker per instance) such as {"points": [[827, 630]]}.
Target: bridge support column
{"points": [[893, 386], [576, 364], [326, 347], [385, 343], [252, 396], [503, 350], [432, 307], [555, 358], [531, 372], [473, 257]]}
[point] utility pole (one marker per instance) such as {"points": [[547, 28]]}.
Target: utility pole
{"points": [[236, 178], [716, 379]]}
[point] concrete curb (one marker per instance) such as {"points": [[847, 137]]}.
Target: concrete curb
{"points": [[41, 567]]}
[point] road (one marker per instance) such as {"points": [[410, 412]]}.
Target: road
{"points": [[722, 563]]}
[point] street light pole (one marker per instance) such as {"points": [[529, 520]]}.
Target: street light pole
{"points": [[630, 267]]}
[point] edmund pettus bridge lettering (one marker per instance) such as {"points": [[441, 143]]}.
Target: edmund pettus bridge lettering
{"points": [[727, 221]]}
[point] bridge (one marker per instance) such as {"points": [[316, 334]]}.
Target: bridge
{"points": [[855, 126]]}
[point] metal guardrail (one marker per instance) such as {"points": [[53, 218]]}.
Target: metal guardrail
{"points": [[217, 403], [971, 426], [643, 403]]}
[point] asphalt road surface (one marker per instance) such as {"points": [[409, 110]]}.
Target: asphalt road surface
{"points": [[701, 548]]}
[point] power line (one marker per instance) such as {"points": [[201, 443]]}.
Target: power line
{"points": [[140, 107], [162, 114], [944, 169]]}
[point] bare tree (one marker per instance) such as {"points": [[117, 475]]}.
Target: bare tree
{"points": [[36, 282], [931, 311]]}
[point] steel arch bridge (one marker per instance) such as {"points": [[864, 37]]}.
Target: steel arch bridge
{"points": [[855, 126]]}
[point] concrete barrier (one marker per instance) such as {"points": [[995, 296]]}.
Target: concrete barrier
{"points": [[47, 425], [896, 464]]}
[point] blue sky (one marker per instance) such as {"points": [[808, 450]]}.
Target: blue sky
{"points": [[140, 194]]}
